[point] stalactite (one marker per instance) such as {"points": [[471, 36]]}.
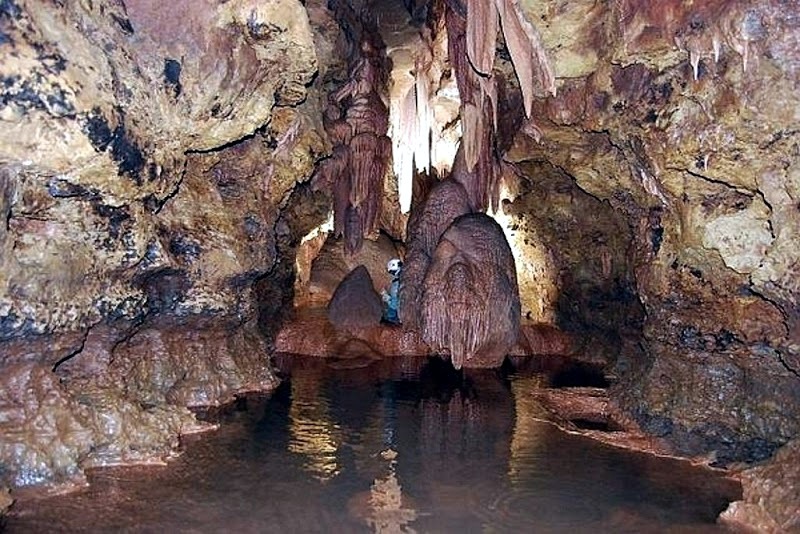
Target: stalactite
{"points": [[357, 122], [527, 52], [341, 200], [403, 130], [365, 167], [422, 148], [474, 127], [475, 163], [471, 41], [412, 118], [482, 25]]}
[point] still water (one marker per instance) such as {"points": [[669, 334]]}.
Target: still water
{"points": [[399, 446]]}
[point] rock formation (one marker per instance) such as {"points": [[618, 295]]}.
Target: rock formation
{"points": [[447, 201], [143, 170], [355, 303], [675, 117], [470, 299]]}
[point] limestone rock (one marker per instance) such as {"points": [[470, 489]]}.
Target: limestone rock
{"points": [[310, 333], [331, 264], [120, 400], [470, 305], [771, 495], [682, 119], [741, 238], [45, 431], [355, 303], [107, 106]]}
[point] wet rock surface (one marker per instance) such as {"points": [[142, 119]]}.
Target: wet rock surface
{"points": [[123, 398], [310, 332], [159, 169]]}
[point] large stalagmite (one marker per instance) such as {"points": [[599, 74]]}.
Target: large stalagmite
{"points": [[470, 299]]}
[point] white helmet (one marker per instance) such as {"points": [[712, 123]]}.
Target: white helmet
{"points": [[394, 266]]}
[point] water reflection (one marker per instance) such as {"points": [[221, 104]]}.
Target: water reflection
{"points": [[313, 432], [396, 447], [389, 512]]}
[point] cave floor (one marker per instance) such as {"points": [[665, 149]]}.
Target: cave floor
{"points": [[395, 444]]}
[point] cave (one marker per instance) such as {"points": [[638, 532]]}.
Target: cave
{"points": [[596, 206]]}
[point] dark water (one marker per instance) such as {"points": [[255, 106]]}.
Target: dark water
{"points": [[397, 447]]}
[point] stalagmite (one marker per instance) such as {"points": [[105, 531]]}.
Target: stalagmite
{"points": [[446, 201], [470, 300]]}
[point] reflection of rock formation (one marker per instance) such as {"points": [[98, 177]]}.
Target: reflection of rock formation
{"points": [[472, 421], [313, 431], [527, 423], [387, 514]]}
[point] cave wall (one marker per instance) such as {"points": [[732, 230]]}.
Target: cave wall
{"points": [[572, 256], [149, 161], [683, 118]]}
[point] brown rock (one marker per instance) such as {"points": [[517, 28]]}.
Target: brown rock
{"points": [[355, 304], [5, 502], [45, 431], [331, 264], [545, 339], [124, 400], [470, 299], [310, 333]]}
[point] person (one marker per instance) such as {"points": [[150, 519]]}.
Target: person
{"points": [[391, 299]]}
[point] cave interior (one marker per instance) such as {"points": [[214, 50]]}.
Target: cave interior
{"points": [[189, 189]]}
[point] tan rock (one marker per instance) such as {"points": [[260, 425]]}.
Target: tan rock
{"points": [[771, 500]]}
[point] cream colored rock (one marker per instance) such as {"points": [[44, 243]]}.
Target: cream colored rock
{"points": [[779, 273], [742, 239], [565, 28]]}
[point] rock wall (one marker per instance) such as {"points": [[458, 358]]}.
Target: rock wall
{"points": [[683, 118], [149, 153]]}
